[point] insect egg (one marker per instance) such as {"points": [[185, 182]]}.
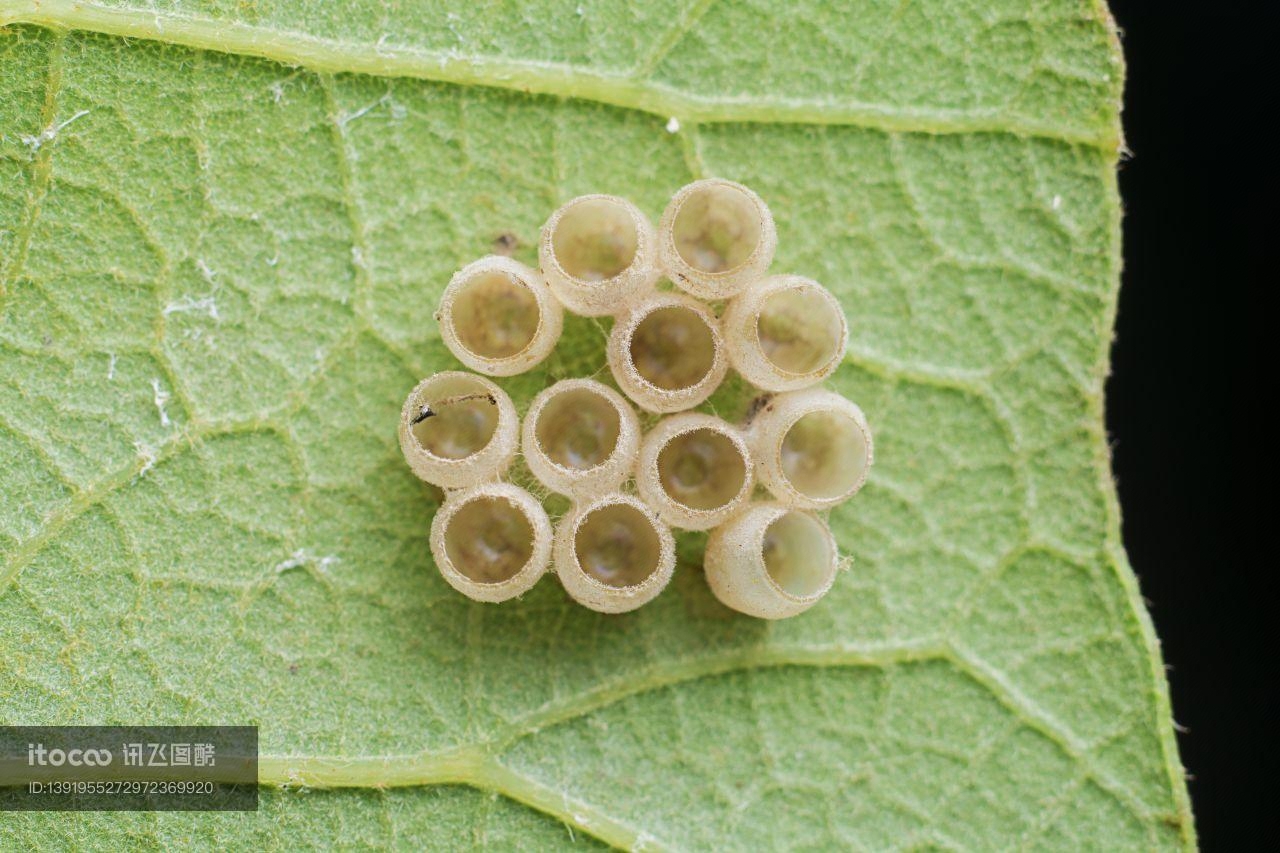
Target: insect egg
{"points": [[812, 448], [458, 429], [715, 238], [599, 253], [666, 353], [613, 555], [580, 438], [771, 561], [785, 332], [694, 470], [498, 316], [491, 542]]}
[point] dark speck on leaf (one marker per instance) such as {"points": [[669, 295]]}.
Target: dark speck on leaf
{"points": [[506, 243]]}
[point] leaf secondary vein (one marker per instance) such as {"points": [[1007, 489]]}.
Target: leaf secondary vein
{"points": [[478, 765], [530, 76], [41, 171]]}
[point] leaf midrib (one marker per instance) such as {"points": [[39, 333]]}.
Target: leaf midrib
{"points": [[629, 91]]}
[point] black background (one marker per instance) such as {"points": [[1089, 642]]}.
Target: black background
{"points": [[1181, 376]]}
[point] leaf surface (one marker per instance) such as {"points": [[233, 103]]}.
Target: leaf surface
{"points": [[224, 227]]}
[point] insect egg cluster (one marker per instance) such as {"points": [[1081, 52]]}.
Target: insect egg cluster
{"points": [[758, 488]]}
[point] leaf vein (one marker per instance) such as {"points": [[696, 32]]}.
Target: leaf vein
{"points": [[530, 76]]}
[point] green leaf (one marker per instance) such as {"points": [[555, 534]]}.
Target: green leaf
{"points": [[223, 230]]}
